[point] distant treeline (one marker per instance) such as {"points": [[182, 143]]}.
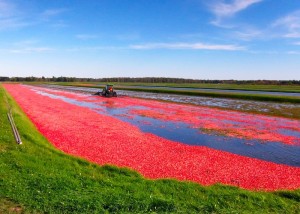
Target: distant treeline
{"points": [[147, 80]]}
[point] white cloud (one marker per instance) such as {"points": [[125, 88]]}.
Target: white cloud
{"points": [[128, 36], [13, 23], [94, 48], [59, 24], [27, 42], [86, 36], [155, 46], [6, 8], [292, 35], [248, 34], [223, 10], [290, 21], [187, 46], [289, 24], [12, 17], [53, 12], [32, 50], [264, 52], [296, 43], [287, 27], [52, 16], [293, 52], [28, 46], [9, 18]]}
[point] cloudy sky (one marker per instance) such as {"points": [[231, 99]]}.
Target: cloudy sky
{"points": [[199, 39]]}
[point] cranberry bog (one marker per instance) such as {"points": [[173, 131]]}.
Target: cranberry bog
{"points": [[167, 140], [192, 158]]}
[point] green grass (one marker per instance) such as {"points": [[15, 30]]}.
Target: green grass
{"points": [[37, 178], [281, 112], [272, 88], [255, 97], [232, 95]]}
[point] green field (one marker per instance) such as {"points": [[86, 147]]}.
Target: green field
{"points": [[281, 112], [232, 95], [37, 178], [274, 88]]}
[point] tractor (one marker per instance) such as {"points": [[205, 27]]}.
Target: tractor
{"points": [[108, 91]]}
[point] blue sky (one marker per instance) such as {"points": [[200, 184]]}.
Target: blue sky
{"points": [[198, 39]]}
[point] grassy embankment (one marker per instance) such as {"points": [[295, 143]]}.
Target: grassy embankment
{"points": [[232, 95], [37, 178]]}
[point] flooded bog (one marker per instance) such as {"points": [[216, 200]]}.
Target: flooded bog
{"points": [[283, 109], [262, 137], [167, 140]]}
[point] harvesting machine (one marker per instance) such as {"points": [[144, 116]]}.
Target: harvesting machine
{"points": [[108, 91]]}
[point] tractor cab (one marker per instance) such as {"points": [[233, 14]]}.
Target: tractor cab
{"points": [[108, 91], [109, 87]]}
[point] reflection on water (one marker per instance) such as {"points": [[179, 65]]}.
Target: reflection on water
{"points": [[185, 133]]}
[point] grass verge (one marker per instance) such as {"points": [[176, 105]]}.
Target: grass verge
{"points": [[37, 178]]}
